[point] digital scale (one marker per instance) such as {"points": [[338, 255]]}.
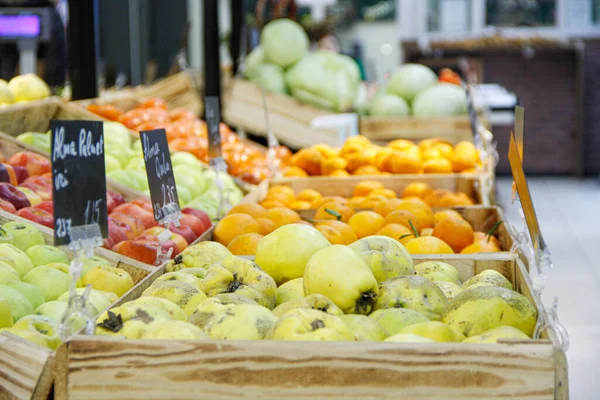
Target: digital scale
{"points": [[25, 27]]}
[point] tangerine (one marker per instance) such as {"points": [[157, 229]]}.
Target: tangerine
{"points": [[295, 171], [403, 217], [456, 232], [265, 226], [252, 209], [282, 216], [440, 215], [363, 188], [333, 235], [385, 207], [418, 189], [309, 195], [481, 247], [334, 210], [340, 172], [428, 245], [245, 245], [422, 212], [484, 237], [388, 193], [345, 229], [365, 223], [397, 231], [234, 225]]}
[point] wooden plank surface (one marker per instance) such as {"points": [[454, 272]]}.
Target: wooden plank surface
{"points": [[384, 129], [121, 369]]}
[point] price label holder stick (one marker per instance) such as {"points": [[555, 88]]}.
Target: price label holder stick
{"points": [[163, 190], [272, 141], [80, 213], [213, 122], [540, 255]]}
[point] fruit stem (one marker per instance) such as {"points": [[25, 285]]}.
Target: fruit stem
{"points": [[413, 228], [336, 214], [365, 301], [317, 324], [494, 228]]}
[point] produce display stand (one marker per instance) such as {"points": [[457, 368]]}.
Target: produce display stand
{"points": [[290, 120], [27, 369], [92, 367]]}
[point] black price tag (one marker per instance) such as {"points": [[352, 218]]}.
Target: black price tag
{"points": [[78, 179], [213, 120], [159, 169]]}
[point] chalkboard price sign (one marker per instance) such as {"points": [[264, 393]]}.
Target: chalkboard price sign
{"points": [[159, 169], [78, 178]]}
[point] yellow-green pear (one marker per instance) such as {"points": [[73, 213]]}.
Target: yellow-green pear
{"points": [[499, 332], [450, 289], [185, 295], [213, 305], [314, 301], [291, 290], [475, 311], [386, 257], [488, 276], [364, 328], [408, 338], [437, 271], [241, 322], [201, 255], [413, 292], [173, 330], [435, 330], [393, 320], [310, 325], [339, 273]]}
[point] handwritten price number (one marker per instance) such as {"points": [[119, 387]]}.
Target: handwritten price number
{"points": [[63, 227], [92, 211]]}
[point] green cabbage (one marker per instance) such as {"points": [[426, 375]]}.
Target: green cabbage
{"points": [[388, 105], [284, 42], [443, 99], [270, 77], [253, 61], [325, 79], [409, 80]]}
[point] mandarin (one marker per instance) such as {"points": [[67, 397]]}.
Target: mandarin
{"points": [[245, 245], [428, 245], [437, 166], [366, 170], [365, 223], [334, 210], [481, 247], [333, 235], [363, 188], [234, 225], [456, 232], [387, 206], [340, 172], [417, 189], [396, 231], [484, 237], [265, 226], [295, 171], [423, 213], [252, 209], [403, 217], [282, 216], [347, 232], [300, 205], [309, 195], [440, 215], [388, 193]]}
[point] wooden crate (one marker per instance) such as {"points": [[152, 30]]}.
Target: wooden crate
{"points": [[99, 367], [178, 90], [26, 369]]}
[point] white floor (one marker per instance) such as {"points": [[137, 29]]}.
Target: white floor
{"points": [[569, 213]]}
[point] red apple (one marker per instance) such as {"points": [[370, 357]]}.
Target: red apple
{"points": [[143, 250], [42, 185], [108, 243], [135, 224], [137, 212], [193, 222], [143, 202], [46, 206], [185, 231], [10, 193], [35, 163], [119, 231], [153, 232], [7, 206], [200, 214], [41, 217], [21, 174], [117, 197], [7, 174]]}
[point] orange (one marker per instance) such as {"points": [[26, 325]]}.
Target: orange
{"points": [[328, 165], [309, 195], [403, 217], [450, 200], [422, 212], [356, 202], [483, 237], [265, 226], [457, 232], [283, 189], [345, 229], [363, 188], [437, 166], [300, 205], [326, 151], [329, 199], [389, 193], [481, 247], [428, 143], [252, 209], [309, 160], [366, 170], [280, 196], [271, 204], [415, 200], [433, 199], [428, 245], [370, 202], [234, 225], [426, 232], [365, 223], [440, 215], [401, 144], [396, 231], [406, 162], [333, 235], [245, 245], [463, 199], [418, 189], [432, 153], [334, 210], [356, 160], [387, 206], [295, 171], [282, 216], [446, 149], [340, 172], [466, 156]]}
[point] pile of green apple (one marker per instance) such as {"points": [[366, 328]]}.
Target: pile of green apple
{"points": [[35, 283], [124, 160]]}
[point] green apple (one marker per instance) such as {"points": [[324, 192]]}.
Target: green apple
{"points": [[136, 164], [91, 262], [42, 254], [185, 158], [136, 146], [6, 236], [200, 183], [111, 163], [122, 154], [18, 303], [33, 294], [38, 326], [122, 177], [116, 134], [35, 139], [189, 183], [6, 318], [16, 258], [8, 273], [97, 298], [53, 282], [184, 195], [139, 179], [25, 235]]}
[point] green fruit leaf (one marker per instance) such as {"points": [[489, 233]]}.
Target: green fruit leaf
{"points": [[113, 323], [413, 228], [404, 236], [494, 228], [336, 214]]}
